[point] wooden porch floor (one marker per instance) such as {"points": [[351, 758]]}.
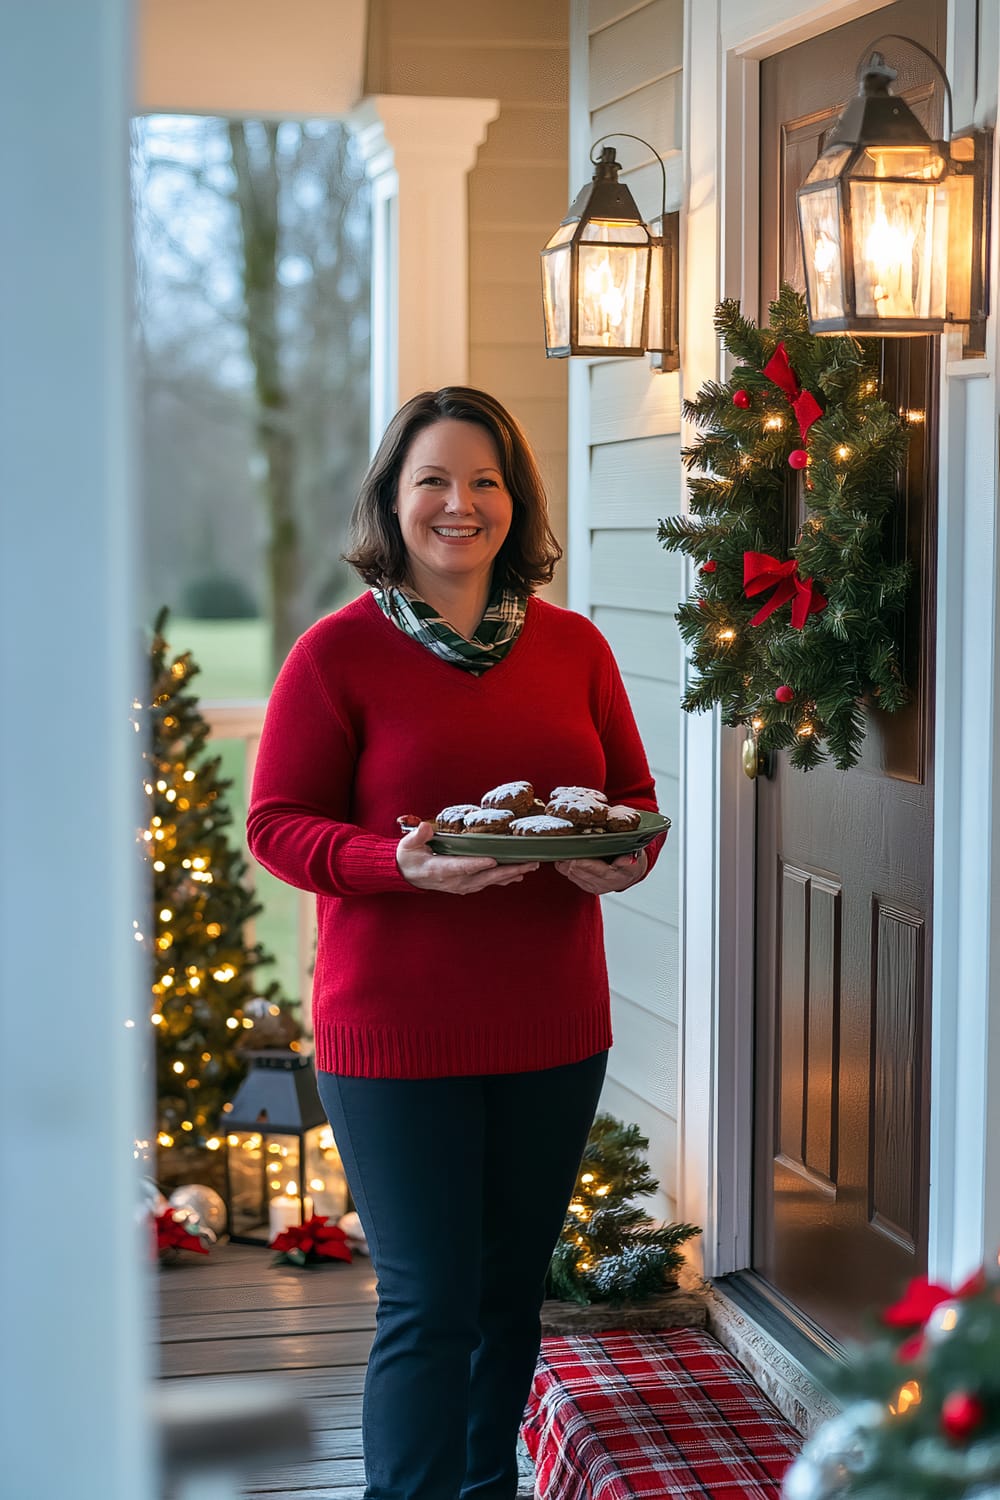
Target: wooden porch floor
{"points": [[233, 1314]]}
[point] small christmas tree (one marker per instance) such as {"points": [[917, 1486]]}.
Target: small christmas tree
{"points": [[794, 624], [610, 1250], [922, 1420], [204, 987]]}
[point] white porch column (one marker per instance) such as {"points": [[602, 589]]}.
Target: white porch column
{"points": [[73, 1262], [418, 153]]}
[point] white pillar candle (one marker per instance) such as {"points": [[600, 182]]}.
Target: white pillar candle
{"points": [[282, 1213]]}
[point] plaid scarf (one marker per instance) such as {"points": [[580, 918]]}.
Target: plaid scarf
{"points": [[495, 634]]}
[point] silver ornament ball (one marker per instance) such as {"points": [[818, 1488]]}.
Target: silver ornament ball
{"points": [[205, 1202]]}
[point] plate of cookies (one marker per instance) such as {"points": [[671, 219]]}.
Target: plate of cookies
{"points": [[512, 825]]}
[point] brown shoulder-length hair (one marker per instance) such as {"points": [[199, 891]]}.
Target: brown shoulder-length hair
{"points": [[530, 550]]}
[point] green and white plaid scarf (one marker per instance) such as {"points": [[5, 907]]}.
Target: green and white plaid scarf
{"points": [[495, 634]]}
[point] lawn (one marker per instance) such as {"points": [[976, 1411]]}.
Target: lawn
{"points": [[233, 656]]}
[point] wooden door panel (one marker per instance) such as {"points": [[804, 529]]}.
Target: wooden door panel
{"points": [[896, 1102], [844, 859]]}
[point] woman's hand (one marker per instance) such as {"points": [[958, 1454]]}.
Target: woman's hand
{"points": [[456, 876], [600, 877]]}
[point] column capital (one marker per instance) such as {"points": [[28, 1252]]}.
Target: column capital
{"points": [[391, 129]]}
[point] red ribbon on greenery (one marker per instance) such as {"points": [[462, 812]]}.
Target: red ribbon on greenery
{"points": [[762, 571], [803, 403]]}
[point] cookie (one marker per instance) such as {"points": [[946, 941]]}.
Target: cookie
{"points": [[579, 807], [517, 796], [539, 823], [622, 819], [488, 820], [577, 791], [452, 819]]}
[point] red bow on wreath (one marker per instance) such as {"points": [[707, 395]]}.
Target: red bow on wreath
{"points": [[761, 571], [804, 404]]}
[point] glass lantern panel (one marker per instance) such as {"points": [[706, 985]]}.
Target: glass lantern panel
{"points": [[555, 296], [961, 247], [323, 1180], [654, 325], [611, 296], [829, 164], [819, 218], [563, 235], [900, 248], [918, 162], [247, 1210], [610, 231]]}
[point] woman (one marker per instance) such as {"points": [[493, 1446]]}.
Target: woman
{"points": [[460, 1045]]}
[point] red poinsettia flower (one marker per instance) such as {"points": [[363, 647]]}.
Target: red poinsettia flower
{"points": [[173, 1234], [313, 1241]]}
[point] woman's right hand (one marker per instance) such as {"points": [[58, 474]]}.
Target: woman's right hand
{"points": [[460, 875]]}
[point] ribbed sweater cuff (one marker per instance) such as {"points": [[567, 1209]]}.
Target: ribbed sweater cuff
{"points": [[367, 866]]}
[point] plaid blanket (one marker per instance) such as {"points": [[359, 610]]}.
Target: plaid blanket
{"points": [[618, 1415]]}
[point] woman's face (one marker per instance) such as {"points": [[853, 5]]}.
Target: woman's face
{"points": [[453, 507]]}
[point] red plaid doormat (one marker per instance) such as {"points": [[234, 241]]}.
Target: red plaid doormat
{"points": [[617, 1415]]}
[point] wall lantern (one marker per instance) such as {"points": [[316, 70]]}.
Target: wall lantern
{"points": [[894, 224], [609, 280], [282, 1164]]}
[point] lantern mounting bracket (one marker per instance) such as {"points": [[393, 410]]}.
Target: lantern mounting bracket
{"points": [[895, 36], [625, 135]]}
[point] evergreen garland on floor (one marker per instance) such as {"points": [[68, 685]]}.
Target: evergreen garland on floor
{"points": [[817, 414], [610, 1250]]}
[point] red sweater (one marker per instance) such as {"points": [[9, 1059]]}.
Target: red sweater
{"points": [[365, 724]]}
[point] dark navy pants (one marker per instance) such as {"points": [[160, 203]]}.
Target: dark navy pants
{"points": [[462, 1186]]}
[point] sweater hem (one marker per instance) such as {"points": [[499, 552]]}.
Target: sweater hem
{"points": [[394, 1052]]}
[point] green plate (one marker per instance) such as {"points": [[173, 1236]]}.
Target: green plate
{"points": [[513, 849]]}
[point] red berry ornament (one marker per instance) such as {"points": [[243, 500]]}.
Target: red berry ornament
{"points": [[710, 566], [741, 399], [962, 1414], [784, 694], [798, 458]]}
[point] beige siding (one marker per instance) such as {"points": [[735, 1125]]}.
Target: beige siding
{"points": [[518, 53], [629, 74]]}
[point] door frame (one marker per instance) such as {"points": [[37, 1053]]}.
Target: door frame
{"points": [[724, 42]]}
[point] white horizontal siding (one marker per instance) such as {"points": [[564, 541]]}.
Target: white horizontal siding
{"points": [[660, 1130], [628, 400], [653, 113], [628, 67], [645, 1053], [643, 47], [630, 569], [645, 642], [636, 483], [642, 959], [655, 707]]}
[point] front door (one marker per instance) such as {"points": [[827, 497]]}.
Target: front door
{"points": [[844, 859]]}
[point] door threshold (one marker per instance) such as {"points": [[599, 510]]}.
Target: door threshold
{"points": [[783, 1351]]}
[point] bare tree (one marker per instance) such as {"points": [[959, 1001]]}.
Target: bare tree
{"points": [[255, 285]]}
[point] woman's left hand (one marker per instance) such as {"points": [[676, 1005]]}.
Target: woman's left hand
{"points": [[600, 877]]}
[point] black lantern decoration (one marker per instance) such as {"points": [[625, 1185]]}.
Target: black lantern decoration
{"points": [[282, 1164], [894, 224], [609, 280]]}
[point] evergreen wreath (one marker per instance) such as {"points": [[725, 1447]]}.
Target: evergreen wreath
{"points": [[795, 404]]}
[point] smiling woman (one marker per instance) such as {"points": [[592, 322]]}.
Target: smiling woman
{"points": [[459, 1034], [454, 512]]}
